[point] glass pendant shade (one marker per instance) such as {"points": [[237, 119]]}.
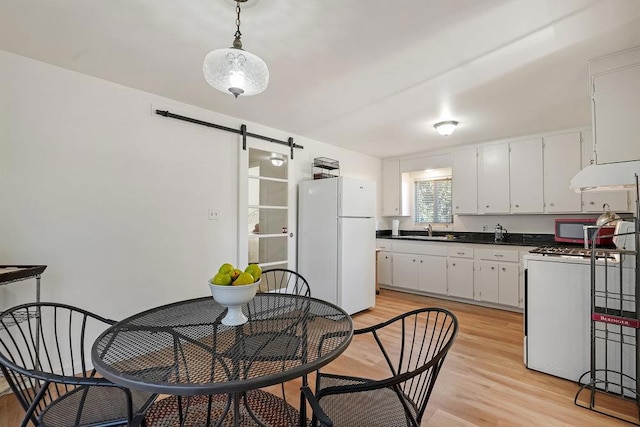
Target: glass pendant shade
{"points": [[236, 71]]}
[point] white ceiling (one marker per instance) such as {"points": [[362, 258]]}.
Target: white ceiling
{"points": [[368, 75]]}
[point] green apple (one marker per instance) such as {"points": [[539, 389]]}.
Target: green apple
{"points": [[254, 270], [221, 279], [235, 273], [244, 279], [226, 268]]}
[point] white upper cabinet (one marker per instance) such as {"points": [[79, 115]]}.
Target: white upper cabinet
{"points": [[464, 181], [561, 163], [526, 176], [493, 179], [615, 85], [392, 203], [593, 201]]}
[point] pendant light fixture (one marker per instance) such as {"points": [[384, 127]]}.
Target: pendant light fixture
{"points": [[446, 128], [234, 70]]}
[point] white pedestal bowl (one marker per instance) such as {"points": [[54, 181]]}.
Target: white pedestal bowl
{"points": [[233, 297]]}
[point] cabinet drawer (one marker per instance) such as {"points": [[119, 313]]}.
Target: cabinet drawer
{"points": [[437, 249], [460, 252], [383, 244], [497, 255]]}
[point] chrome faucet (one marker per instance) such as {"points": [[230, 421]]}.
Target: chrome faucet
{"points": [[430, 230]]}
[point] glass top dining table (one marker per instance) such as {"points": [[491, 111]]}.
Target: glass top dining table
{"points": [[183, 348]]}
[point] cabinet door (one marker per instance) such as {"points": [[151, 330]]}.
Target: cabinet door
{"points": [[593, 201], [525, 176], [616, 108], [464, 181], [561, 163], [432, 274], [391, 188], [487, 287], [405, 271], [493, 179], [385, 268], [460, 277], [509, 284]]}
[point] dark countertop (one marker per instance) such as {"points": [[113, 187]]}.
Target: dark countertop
{"points": [[512, 239]]}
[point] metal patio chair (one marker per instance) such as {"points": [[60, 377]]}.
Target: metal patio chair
{"points": [[414, 346], [44, 356]]}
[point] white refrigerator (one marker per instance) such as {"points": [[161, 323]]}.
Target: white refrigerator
{"points": [[337, 240]]}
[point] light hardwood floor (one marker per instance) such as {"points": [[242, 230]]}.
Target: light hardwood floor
{"points": [[483, 382]]}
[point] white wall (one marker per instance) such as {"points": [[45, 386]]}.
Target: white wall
{"points": [[114, 198]]}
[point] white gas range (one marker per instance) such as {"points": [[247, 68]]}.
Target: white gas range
{"points": [[558, 308]]}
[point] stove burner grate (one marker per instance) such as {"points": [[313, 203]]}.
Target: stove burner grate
{"points": [[572, 252]]}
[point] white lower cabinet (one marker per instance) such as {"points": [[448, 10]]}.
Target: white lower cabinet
{"points": [[385, 268], [432, 274], [497, 277], [498, 283], [420, 272], [460, 272], [473, 272], [420, 266], [460, 277], [405, 271]]}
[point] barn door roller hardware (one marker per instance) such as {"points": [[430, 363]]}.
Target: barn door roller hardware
{"points": [[242, 131]]}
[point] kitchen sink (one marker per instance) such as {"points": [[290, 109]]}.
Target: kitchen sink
{"points": [[430, 237]]}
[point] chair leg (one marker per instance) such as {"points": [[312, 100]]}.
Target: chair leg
{"points": [[303, 403]]}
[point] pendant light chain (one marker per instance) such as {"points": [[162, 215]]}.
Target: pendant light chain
{"points": [[237, 43]]}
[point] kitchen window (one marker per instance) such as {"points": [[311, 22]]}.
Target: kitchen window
{"points": [[432, 201]]}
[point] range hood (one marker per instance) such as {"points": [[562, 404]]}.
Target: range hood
{"points": [[607, 177]]}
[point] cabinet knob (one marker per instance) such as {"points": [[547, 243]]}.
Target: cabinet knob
{"points": [[504, 269], [420, 260], [493, 268], [414, 260], [457, 207], [487, 205], [551, 204], [453, 264], [517, 206], [592, 202]]}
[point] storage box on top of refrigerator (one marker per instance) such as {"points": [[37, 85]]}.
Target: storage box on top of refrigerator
{"points": [[336, 240]]}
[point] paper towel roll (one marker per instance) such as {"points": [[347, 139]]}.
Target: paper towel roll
{"points": [[394, 227]]}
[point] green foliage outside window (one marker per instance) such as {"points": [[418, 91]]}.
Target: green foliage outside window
{"points": [[432, 202]]}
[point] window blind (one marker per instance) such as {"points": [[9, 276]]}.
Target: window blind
{"points": [[432, 202]]}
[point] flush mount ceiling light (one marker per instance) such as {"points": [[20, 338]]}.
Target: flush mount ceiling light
{"points": [[446, 128], [277, 160], [234, 70]]}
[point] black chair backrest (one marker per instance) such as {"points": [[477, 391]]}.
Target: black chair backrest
{"points": [[284, 281], [43, 346], [415, 345]]}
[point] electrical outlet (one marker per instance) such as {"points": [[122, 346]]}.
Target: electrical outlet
{"points": [[214, 214]]}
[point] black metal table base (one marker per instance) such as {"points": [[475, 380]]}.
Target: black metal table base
{"points": [[255, 408]]}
